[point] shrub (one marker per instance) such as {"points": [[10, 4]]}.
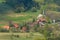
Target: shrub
{"points": [[3, 30], [34, 9]]}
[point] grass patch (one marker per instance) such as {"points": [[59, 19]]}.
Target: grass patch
{"points": [[22, 36]]}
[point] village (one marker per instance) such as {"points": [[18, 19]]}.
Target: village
{"points": [[28, 25], [29, 19], [33, 26]]}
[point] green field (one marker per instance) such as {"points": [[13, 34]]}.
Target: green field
{"points": [[18, 17], [22, 36]]}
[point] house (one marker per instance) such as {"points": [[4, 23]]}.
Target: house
{"points": [[41, 18], [16, 25], [6, 27]]}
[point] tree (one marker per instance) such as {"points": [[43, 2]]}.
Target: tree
{"points": [[57, 2], [25, 4], [4, 8]]}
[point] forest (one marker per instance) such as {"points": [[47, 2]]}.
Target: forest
{"points": [[25, 5]]}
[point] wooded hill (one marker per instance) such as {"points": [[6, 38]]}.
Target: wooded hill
{"points": [[31, 5]]}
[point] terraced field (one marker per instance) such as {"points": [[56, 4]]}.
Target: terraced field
{"points": [[18, 17]]}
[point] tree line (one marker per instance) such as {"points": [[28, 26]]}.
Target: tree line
{"points": [[19, 5], [24, 5]]}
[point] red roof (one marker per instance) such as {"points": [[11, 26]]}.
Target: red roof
{"points": [[16, 25], [6, 27]]}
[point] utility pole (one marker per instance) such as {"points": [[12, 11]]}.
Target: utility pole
{"points": [[43, 12]]}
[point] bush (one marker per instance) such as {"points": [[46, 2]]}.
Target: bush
{"points": [[34, 9], [3, 30]]}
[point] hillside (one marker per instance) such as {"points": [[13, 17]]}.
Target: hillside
{"points": [[30, 19], [44, 5]]}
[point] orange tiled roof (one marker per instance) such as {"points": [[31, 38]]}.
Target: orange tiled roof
{"points": [[6, 27]]}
